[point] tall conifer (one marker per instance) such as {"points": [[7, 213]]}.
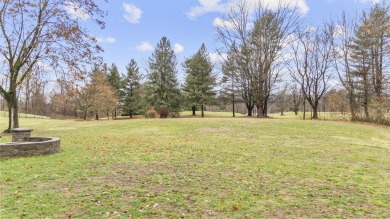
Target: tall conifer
{"points": [[162, 88], [200, 80]]}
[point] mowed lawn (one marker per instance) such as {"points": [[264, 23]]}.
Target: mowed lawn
{"points": [[201, 168]]}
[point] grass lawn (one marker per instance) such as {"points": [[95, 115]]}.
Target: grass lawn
{"points": [[335, 116], [188, 114], [194, 168]]}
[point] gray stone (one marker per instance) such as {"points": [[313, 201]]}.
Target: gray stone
{"points": [[30, 146]]}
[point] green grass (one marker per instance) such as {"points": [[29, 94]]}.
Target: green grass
{"points": [[186, 114], [24, 115], [211, 167], [321, 115]]}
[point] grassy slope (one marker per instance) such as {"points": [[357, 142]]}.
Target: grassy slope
{"points": [[201, 168]]}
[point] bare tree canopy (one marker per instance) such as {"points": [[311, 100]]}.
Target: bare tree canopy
{"points": [[256, 39], [312, 63], [45, 33]]}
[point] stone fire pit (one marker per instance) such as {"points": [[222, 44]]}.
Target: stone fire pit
{"points": [[24, 145]]}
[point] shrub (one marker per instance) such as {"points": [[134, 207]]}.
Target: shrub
{"points": [[151, 114], [175, 114], [164, 112]]}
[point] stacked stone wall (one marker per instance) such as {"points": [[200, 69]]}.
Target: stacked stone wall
{"points": [[30, 146]]}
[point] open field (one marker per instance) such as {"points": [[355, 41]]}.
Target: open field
{"points": [[321, 116], [194, 168], [186, 114], [24, 115]]}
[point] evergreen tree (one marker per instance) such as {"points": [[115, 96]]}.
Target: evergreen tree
{"points": [[200, 80], [115, 80], [132, 89], [114, 77], [360, 54], [370, 54], [162, 88]]}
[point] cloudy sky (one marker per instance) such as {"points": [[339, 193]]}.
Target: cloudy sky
{"points": [[134, 27]]}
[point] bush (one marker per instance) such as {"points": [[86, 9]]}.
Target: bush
{"points": [[164, 112], [151, 114], [175, 114]]}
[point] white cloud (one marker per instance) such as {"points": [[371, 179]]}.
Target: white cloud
{"points": [[310, 29], [109, 40], [339, 31], [144, 47], [209, 6], [370, 1], [178, 48], [206, 6], [301, 5], [219, 22], [76, 12], [132, 13], [217, 58]]}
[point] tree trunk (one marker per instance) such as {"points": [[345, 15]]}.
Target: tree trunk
{"points": [[15, 116], [260, 111], [352, 106], [202, 111], [131, 114], [250, 107], [366, 96], [366, 112], [234, 112], [96, 116], [8, 130], [14, 107], [281, 113], [193, 110], [265, 107], [315, 112], [304, 110]]}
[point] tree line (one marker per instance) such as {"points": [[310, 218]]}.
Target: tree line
{"points": [[351, 51], [109, 93], [270, 58]]}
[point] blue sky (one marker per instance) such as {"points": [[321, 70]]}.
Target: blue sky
{"points": [[134, 27]]}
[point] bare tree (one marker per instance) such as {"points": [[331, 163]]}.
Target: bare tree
{"points": [[97, 96], [312, 63], [296, 98], [341, 44], [236, 81], [282, 101], [63, 101], [39, 32], [257, 45]]}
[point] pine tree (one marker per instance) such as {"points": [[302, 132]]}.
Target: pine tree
{"points": [[114, 77], [379, 29], [200, 80], [162, 88], [115, 80], [132, 89], [369, 54], [360, 54]]}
